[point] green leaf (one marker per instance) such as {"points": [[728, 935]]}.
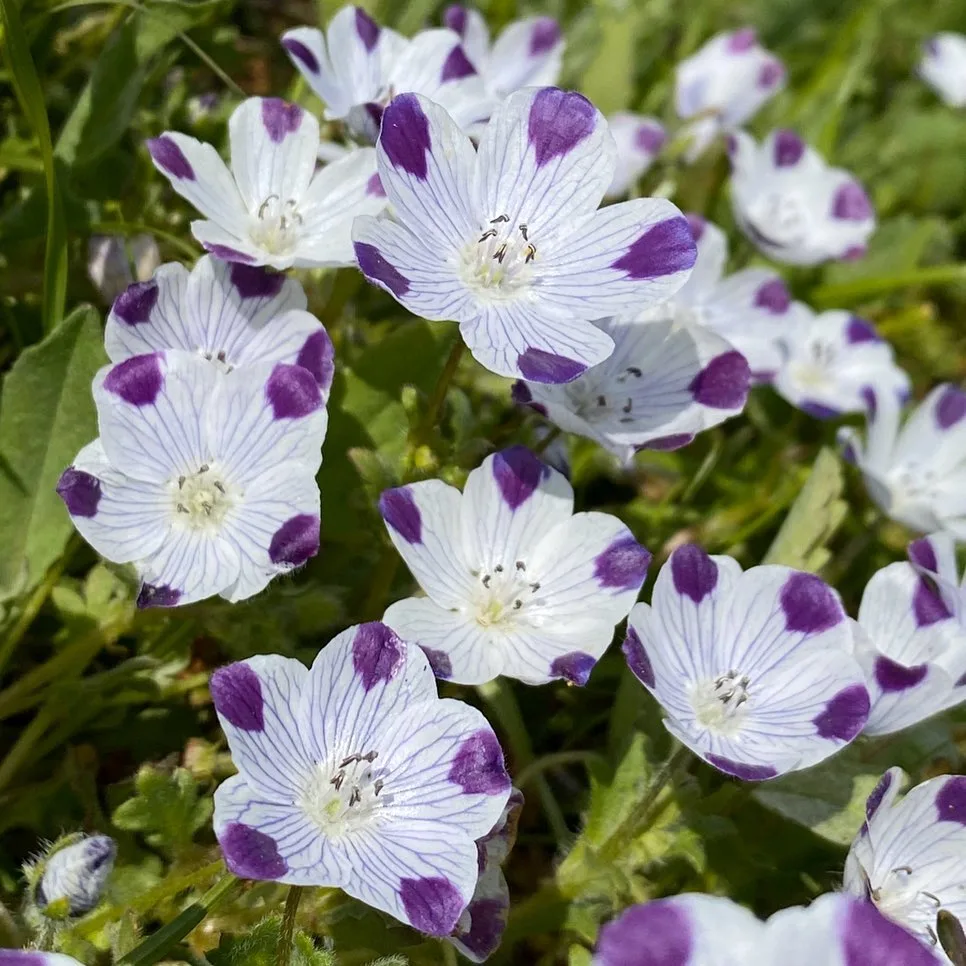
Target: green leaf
{"points": [[31, 98], [46, 415], [259, 947], [167, 809]]}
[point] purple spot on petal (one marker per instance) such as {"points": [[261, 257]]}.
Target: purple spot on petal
{"points": [[23, 957], [723, 383], [694, 573], [457, 65], [137, 380], [927, 606], [227, 254], [80, 491], [377, 654], [478, 767], [254, 282], [623, 565], [367, 29], [858, 330], [301, 53], [296, 540], [251, 854], [637, 658], [318, 356], [292, 392], [874, 800], [157, 595], [374, 187], [951, 800], [951, 407], [170, 158], [432, 905], [135, 303], [399, 510], [789, 148], [655, 933], [668, 443], [663, 249], [871, 403], [374, 266], [851, 203], [773, 296], [845, 715], [237, 693], [818, 410], [853, 253], [488, 919], [545, 36], [742, 40], [280, 119], [869, 939], [405, 135], [518, 474], [747, 773], [559, 121], [697, 224], [439, 661], [771, 74], [520, 393], [922, 554], [574, 667], [810, 605], [455, 18], [546, 367], [731, 146], [892, 676], [650, 138]]}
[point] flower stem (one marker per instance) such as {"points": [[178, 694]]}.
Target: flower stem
{"points": [[287, 936], [438, 397], [549, 438], [539, 765], [848, 293]]}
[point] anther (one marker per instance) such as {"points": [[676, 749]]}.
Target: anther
{"points": [[338, 780], [499, 568], [221, 356], [348, 761], [377, 786], [500, 253], [521, 565], [204, 468], [627, 407], [534, 587], [531, 254], [371, 756], [180, 482], [182, 508], [220, 487], [355, 797], [499, 219], [523, 231], [517, 604], [486, 580], [634, 371], [489, 233], [601, 400], [265, 204]]}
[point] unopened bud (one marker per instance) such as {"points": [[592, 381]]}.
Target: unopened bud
{"points": [[74, 876]]}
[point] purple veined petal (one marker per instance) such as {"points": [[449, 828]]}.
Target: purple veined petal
{"points": [[80, 491], [559, 121], [367, 29], [622, 565], [157, 595], [399, 510], [378, 655], [547, 367], [774, 296], [405, 135], [951, 407], [810, 606], [518, 474], [951, 800], [301, 53], [280, 118], [743, 40], [789, 149], [695, 573], [893, 677], [292, 392], [251, 854], [845, 714], [137, 381], [574, 667], [478, 767], [545, 36], [771, 75], [296, 541], [134, 305], [433, 905], [457, 65], [859, 330], [169, 157], [237, 693], [663, 249], [256, 282], [851, 203], [455, 17], [376, 268], [746, 772], [637, 660], [724, 382]]}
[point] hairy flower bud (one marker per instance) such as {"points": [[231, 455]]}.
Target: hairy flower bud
{"points": [[74, 876]]}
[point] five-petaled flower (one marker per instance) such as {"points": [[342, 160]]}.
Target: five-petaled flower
{"points": [[943, 67], [272, 207], [204, 480], [639, 141], [754, 670], [517, 583], [353, 773], [792, 205], [508, 240]]}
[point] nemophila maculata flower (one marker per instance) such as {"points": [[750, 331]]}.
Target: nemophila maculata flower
{"points": [[835, 363], [639, 140], [231, 314], [516, 582], [205, 481], [356, 67], [943, 67], [792, 205], [273, 207], [909, 857], [915, 471], [528, 53], [73, 875], [479, 930], [353, 773], [724, 85], [910, 639], [508, 240], [705, 930], [754, 670], [664, 384]]}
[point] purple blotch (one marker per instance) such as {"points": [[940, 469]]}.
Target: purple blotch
{"points": [[170, 158], [317, 355], [922, 554], [927, 605], [845, 714], [280, 118], [405, 135], [869, 939], [455, 18], [377, 654], [773, 296], [951, 800], [432, 905], [439, 661], [255, 282], [623, 565], [478, 767], [80, 491], [367, 29], [810, 605], [487, 922], [520, 393], [665, 248], [742, 40], [874, 800], [637, 658], [296, 540], [668, 443], [135, 304], [770, 74], [374, 112], [818, 410], [747, 773], [859, 330], [951, 407], [851, 203], [559, 121], [374, 266], [545, 36], [237, 693], [723, 383], [251, 854], [399, 510], [697, 225], [870, 400], [655, 933], [892, 676], [574, 667], [789, 148], [374, 187], [137, 380], [228, 254], [302, 53], [650, 138], [157, 595], [694, 573], [518, 474], [457, 65], [538, 365], [292, 392]]}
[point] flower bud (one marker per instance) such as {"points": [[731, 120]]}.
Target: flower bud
{"points": [[74, 876]]}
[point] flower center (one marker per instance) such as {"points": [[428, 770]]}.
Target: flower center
{"points": [[719, 703], [900, 898], [781, 219], [593, 405], [498, 262], [202, 499], [813, 366], [277, 226], [505, 594], [344, 794], [912, 482]]}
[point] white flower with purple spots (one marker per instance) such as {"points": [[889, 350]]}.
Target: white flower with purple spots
{"points": [[232, 314], [909, 857], [943, 67], [272, 207], [792, 205], [706, 930], [204, 481], [528, 53], [754, 670], [664, 384], [915, 472], [723, 86], [479, 930], [516, 582], [356, 67], [639, 141], [835, 363], [353, 773], [910, 639], [508, 240]]}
